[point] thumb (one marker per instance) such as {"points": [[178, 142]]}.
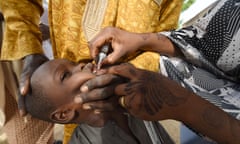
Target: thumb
{"points": [[114, 57], [110, 59], [24, 85], [24, 89], [21, 105]]}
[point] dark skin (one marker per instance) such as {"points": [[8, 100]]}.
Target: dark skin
{"points": [[151, 96], [64, 79], [30, 64], [126, 43]]}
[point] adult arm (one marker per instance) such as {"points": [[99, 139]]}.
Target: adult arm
{"points": [[208, 42], [125, 43], [152, 96], [171, 101]]}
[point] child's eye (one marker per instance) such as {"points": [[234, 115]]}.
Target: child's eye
{"points": [[64, 75]]}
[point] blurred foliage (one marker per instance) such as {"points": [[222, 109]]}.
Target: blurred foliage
{"points": [[187, 4]]}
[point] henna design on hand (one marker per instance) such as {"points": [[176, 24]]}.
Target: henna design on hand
{"points": [[153, 93], [145, 37]]}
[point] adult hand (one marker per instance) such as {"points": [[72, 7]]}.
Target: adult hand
{"points": [[140, 95], [148, 95], [30, 64], [123, 43], [141, 92], [98, 93], [151, 96]]}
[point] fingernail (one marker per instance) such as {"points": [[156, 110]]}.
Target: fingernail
{"points": [[97, 111], [22, 90], [22, 113], [101, 72], [25, 119], [78, 99], [86, 107], [84, 89]]}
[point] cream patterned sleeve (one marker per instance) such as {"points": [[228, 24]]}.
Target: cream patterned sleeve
{"points": [[21, 32]]}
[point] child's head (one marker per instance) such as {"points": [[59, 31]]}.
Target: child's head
{"points": [[53, 88]]}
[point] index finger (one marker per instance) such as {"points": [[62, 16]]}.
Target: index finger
{"points": [[125, 70], [103, 37], [96, 44], [95, 95], [99, 81]]}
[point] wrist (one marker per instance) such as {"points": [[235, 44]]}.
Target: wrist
{"points": [[156, 42], [146, 42]]}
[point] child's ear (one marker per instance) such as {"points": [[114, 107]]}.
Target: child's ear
{"points": [[63, 116]]}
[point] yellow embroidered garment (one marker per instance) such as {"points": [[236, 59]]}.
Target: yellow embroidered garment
{"points": [[74, 22]]}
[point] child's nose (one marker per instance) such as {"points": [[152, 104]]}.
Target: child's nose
{"points": [[78, 67], [88, 67]]}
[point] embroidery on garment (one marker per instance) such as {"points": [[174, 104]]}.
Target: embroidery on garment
{"points": [[93, 17], [158, 2]]}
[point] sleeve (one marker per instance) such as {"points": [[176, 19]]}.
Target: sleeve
{"points": [[169, 14], [188, 41], [207, 46], [21, 31], [211, 42]]}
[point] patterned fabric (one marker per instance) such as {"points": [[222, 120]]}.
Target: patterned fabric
{"points": [[213, 42], [73, 24], [212, 51], [26, 130], [17, 130], [21, 33]]}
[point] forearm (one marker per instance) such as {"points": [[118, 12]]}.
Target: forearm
{"points": [[21, 34], [211, 121], [199, 114], [159, 43]]}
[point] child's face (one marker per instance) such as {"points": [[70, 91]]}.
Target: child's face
{"points": [[62, 80]]}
